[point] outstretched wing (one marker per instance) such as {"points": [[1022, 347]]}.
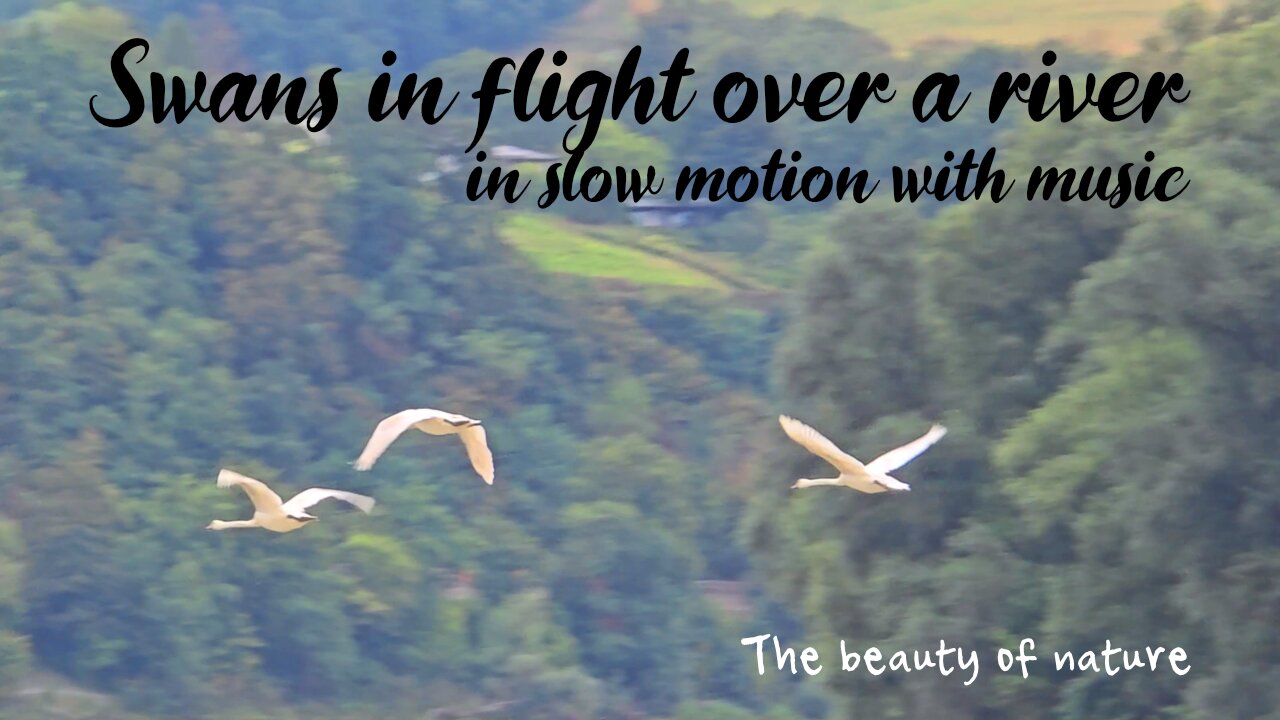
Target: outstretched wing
{"points": [[262, 497], [390, 429], [477, 444], [817, 443], [898, 457], [455, 419], [305, 499], [889, 482]]}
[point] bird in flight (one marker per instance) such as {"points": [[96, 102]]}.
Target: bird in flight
{"points": [[870, 478], [272, 513], [431, 422]]}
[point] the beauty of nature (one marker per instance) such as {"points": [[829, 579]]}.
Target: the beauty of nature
{"points": [[177, 299]]}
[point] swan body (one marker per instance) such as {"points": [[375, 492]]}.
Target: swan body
{"points": [[272, 513], [873, 477], [431, 422]]}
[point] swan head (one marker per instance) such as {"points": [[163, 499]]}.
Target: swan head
{"points": [[801, 483], [215, 525]]}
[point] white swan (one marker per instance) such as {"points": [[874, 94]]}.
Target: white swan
{"points": [[272, 513], [431, 422], [870, 478]]}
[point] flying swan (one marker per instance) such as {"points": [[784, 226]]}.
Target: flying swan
{"points": [[870, 478], [272, 513], [431, 422]]}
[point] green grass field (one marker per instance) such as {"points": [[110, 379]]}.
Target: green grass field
{"points": [[558, 246], [1116, 26]]}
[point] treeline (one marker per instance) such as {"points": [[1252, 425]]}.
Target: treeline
{"points": [[1111, 379], [293, 36]]}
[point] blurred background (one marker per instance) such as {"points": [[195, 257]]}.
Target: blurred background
{"points": [[177, 299]]}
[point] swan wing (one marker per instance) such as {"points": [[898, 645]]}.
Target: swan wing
{"points": [[898, 457], [477, 444], [311, 496], [818, 444], [455, 419], [263, 498], [388, 430], [889, 482]]}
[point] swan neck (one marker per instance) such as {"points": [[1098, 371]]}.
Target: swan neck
{"points": [[229, 524]]}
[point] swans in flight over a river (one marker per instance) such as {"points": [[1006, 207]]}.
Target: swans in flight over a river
{"points": [[431, 422], [272, 513], [870, 478]]}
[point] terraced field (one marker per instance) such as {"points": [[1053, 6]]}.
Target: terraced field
{"points": [[1116, 26], [635, 256]]}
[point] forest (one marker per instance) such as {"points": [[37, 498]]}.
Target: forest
{"points": [[175, 299]]}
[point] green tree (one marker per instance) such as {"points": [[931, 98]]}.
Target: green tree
{"points": [[623, 585]]}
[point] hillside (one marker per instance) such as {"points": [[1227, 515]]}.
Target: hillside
{"points": [[179, 299], [602, 27]]}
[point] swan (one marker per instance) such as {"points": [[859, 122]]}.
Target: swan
{"points": [[272, 513], [431, 422], [870, 478]]}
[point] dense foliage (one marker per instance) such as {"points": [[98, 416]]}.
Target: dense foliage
{"points": [[178, 299], [1112, 383], [293, 35]]}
